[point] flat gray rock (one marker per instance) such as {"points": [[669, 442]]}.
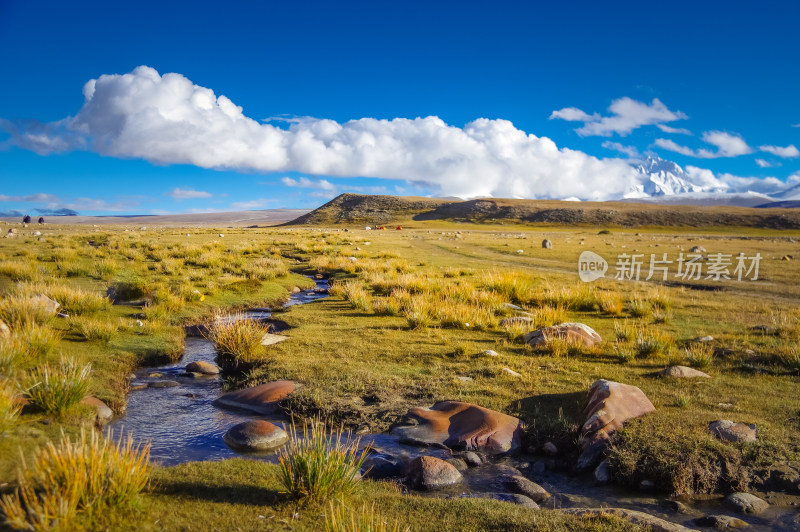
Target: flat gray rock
{"points": [[746, 503], [728, 430], [683, 372]]}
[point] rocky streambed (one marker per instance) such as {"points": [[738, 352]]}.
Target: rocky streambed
{"points": [[187, 417]]}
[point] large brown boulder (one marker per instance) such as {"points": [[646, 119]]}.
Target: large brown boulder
{"points": [[428, 472], [262, 399], [609, 405], [460, 425], [575, 332]]}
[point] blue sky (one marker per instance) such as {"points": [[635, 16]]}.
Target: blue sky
{"points": [[285, 104]]}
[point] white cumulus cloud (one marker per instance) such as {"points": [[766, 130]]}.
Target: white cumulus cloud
{"points": [[626, 115], [726, 144], [674, 130], [787, 152], [169, 120], [182, 194], [630, 151], [766, 164], [304, 182]]}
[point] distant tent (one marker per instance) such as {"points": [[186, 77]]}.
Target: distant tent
{"points": [[41, 219], [26, 220]]}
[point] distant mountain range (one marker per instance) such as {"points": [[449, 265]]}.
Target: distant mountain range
{"points": [[666, 183]]}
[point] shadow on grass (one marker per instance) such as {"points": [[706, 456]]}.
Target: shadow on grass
{"points": [[232, 494], [551, 414]]}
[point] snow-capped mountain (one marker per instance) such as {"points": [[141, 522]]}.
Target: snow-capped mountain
{"points": [[664, 178], [791, 193]]}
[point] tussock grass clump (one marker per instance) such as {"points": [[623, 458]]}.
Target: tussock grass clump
{"points": [[547, 316], [700, 355], [77, 302], [516, 330], [319, 465], [639, 307], [513, 286], [625, 353], [419, 312], [789, 357], [659, 299], [69, 477], [238, 343], [562, 347], [387, 306], [466, 316], [9, 408], [611, 303], [624, 331], [12, 352], [39, 340], [98, 329], [580, 297], [356, 294], [55, 389], [19, 271], [265, 269], [129, 285], [19, 311], [342, 518], [653, 343]]}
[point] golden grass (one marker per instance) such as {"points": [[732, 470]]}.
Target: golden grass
{"points": [[90, 473]]}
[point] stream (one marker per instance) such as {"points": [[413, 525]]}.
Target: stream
{"points": [[183, 426]]}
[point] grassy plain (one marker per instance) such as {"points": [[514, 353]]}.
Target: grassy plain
{"points": [[413, 311]]}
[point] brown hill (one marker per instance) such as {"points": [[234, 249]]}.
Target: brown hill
{"points": [[371, 210], [355, 208]]}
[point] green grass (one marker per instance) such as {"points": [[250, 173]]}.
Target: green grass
{"points": [[364, 365], [246, 494], [319, 465], [55, 389]]}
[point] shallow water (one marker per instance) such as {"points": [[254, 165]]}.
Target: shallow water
{"points": [[183, 426]]}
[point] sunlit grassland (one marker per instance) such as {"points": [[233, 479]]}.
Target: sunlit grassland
{"points": [[411, 311], [247, 494]]}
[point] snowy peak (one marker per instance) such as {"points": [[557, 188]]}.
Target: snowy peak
{"points": [[663, 178]]}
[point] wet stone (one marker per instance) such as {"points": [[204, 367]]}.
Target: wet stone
{"points": [[163, 384], [720, 522], [746, 503], [522, 486], [202, 367], [458, 463], [428, 472], [472, 459], [255, 435]]}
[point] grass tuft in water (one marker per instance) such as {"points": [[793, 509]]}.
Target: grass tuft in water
{"points": [[319, 465], [238, 342]]}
